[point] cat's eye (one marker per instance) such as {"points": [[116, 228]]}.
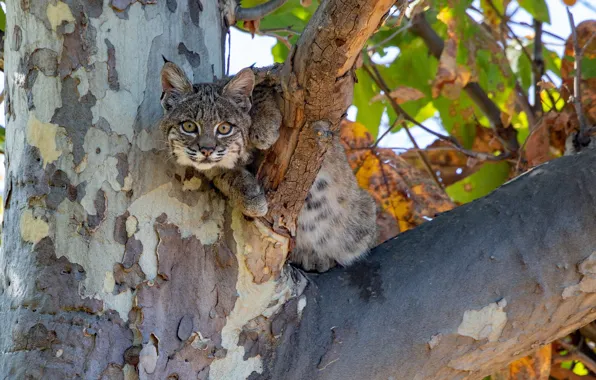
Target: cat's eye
{"points": [[224, 129], [188, 127]]}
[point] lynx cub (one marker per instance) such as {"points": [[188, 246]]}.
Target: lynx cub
{"points": [[215, 128]]}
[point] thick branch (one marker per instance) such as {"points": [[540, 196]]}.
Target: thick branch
{"points": [[259, 11], [522, 258], [435, 45], [317, 85]]}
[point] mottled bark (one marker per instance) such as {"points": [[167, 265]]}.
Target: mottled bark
{"points": [[116, 263]]}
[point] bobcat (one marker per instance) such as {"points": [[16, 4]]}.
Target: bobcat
{"points": [[217, 127]]}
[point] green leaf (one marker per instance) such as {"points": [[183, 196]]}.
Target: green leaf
{"points": [[567, 364], [368, 113], [537, 8], [2, 20], [457, 117], [552, 61], [489, 177], [280, 52], [588, 67]]}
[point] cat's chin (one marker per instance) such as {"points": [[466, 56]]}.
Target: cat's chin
{"points": [[207, 165]]}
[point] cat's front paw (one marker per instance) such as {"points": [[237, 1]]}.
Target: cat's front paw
{"points": [[254, 206]]}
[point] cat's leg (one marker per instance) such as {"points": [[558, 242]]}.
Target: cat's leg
{"points": [[266, 119], [242, 189]]}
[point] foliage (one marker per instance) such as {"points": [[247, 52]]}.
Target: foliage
{"points": [[484, 46]]}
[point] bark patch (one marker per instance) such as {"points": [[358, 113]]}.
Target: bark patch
{"points": [[193, 58], [195, 7], [172, 5], [196, 284], [487, 322], [112, 73], [75, 116]]}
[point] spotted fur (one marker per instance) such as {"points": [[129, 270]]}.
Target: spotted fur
{"points": [[222, 158], [338, 221]]}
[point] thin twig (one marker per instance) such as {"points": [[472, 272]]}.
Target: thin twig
{"points": [[229, 51], [546, 32], [390, 37], [538, 66], [287, 29], [269, 33], [258, 12], [587, 361], [378, 79], [583, 137], [449, 139], [398, 120]]}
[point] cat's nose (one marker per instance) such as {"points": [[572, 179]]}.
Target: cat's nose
{"points": [[206, 151]]}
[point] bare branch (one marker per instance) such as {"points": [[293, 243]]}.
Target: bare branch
{"points": [[583, 137], [537, 67], [258, 12]]}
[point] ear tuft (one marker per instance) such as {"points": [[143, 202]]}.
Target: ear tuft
{"points": [[173, 79], [241, 85]]}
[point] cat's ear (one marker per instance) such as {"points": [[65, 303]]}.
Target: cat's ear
{"points": [[174, 85], [239, 89], [173, 79]]}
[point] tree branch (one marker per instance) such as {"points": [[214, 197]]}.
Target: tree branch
{"points": [[259, 11], [583, 137], [537, 67], [317, 85], [453, 298], [435, 45]]}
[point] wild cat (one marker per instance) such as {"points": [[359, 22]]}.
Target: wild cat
{"points": [[217, 127]]}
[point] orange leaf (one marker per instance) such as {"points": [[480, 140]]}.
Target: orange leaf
{"points": [[545, 85], [252, 26], [404, 193], [569, 2], [536, 366]]}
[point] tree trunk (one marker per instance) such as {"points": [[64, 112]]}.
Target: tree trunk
{"points": [[118, 264], [115, 261]]}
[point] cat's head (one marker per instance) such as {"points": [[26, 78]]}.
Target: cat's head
{"points": [[206, 125]]}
